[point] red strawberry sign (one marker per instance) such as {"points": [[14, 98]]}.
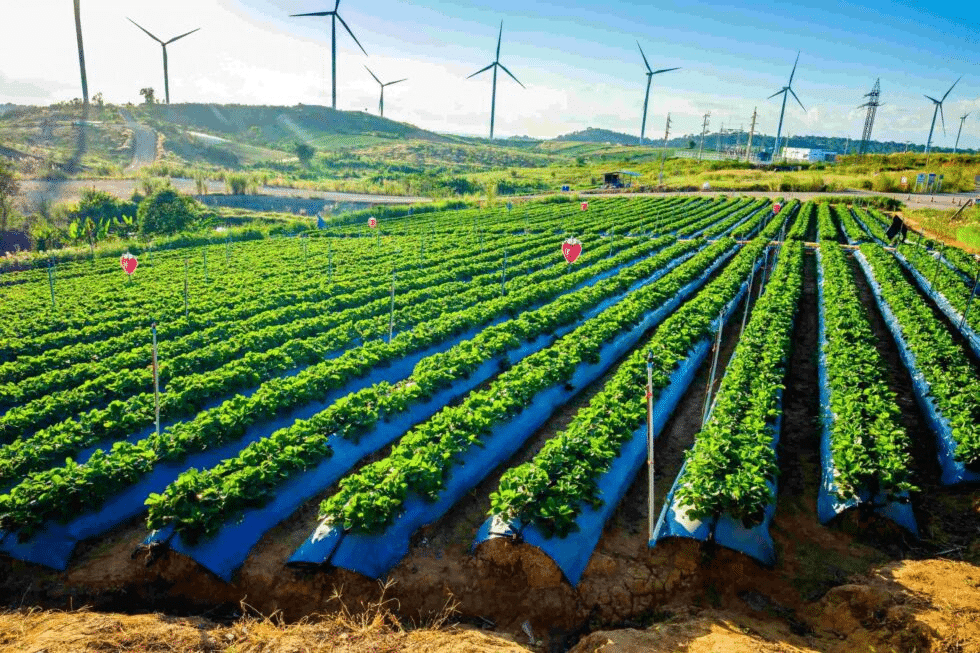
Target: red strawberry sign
{"points": [[128, 263], [571, 249], [585, 206], [776, 207], [372, 222]]}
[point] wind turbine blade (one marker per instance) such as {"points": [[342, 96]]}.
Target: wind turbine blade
{"points": [[181, 36], [511, 75], [649, 69], [794, 68], [483, 70], [942, 117], [315, 13], [951, 87], [396, 81], [351, 33], [147, 33], [336, 6], [933, 99], [500, 35], [797, 100], [663, 70], [776, 93], [373, 75]]}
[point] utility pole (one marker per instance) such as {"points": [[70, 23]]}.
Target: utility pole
{"points": [[704, 130], [663, 152], [720, 132], [748, 147]]}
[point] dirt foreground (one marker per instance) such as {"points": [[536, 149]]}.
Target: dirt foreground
{"points": [[911, 606]]}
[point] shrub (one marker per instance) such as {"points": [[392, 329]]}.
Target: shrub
{"points": [[167, 212]]}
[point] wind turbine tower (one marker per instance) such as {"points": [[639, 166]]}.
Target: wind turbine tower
{"points": [[166, 75], [873, 103], [938, 109], [962, 120], [381, 104], [646, 98], [785, 91], [334, 17], [496, 64]]}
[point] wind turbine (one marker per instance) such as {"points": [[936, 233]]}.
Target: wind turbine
{"points": [[334, 17], [962, 120], [496, 64], [786, 90], [166, 78], [81, 53], [938, 109], [381, 105], [646, 98]]}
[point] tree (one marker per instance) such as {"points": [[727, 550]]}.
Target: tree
{"points": [[167, 212], [8, 190], [305, 153], [99, 100], [148, 95], [691, 145]]}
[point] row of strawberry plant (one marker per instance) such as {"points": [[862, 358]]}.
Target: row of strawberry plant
{"points": [[803, 222], [344, 292], [550, 491], [948, 284], [420, 463], [187, 394], [310, 340], [198, 503], [826, 226], [732, 465], [853, 232], [64, 491], [868, 445], [953, 382], [108, 378]]}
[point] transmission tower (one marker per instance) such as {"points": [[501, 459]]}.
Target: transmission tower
{"points": [[748, 147], [869, 121], [704, 130], [663, 153]]}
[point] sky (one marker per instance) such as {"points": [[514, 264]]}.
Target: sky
{"points": [[579, 61]]}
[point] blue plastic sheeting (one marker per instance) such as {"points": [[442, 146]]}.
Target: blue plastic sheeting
{"points": [[374, 555], [954, 315], [756, 542], [953, 471], [828, 504], [573, 552], [53, 545], [228, 549]]}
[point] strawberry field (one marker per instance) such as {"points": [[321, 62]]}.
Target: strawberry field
{"points": [[459, 400]]}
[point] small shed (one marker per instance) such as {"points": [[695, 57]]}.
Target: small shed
{"points": [[615, 179]]}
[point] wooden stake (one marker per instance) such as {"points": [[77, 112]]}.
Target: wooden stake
{"points": [[714, 368], [51, 284], [185, 288], [650, 454], [391, 319], [156, 378]]}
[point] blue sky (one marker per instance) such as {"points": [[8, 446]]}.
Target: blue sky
{"points": [[578, 60]]}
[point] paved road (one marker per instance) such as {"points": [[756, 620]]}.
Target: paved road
{"points": [[33, 191], [145, 146]]}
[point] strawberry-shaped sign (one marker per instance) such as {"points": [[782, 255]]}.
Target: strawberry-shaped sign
{"points": [[571, 249], [128, 263], [776, 207], [585, 206], [372, 222]]}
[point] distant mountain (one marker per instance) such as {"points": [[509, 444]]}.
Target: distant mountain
{"points": [[595, 135]]}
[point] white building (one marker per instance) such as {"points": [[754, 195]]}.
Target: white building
{"points": [[808, 154]]}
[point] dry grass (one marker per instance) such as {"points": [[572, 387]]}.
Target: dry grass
{"points": [[374, 629]]}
